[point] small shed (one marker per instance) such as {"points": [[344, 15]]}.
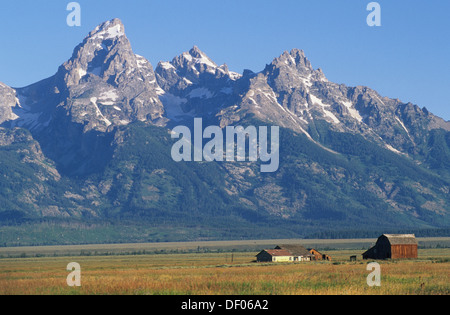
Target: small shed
{"points": [[318, 255], [393, 246]]}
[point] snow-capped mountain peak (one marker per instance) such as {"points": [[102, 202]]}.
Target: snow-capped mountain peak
{"points": [[108, 30], [104, 83]]}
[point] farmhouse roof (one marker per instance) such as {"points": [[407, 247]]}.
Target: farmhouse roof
{"points": [[295, 250]]}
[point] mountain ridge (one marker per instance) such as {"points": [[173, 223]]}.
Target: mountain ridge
{"points": [[93, 142]]}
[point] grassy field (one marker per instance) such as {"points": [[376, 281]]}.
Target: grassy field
{"points": [[220, 272]]}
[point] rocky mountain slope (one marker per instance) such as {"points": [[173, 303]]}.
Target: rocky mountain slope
{"points": [[90, 147]]}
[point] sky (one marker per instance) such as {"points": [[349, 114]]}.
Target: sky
{"points": [[407, 57]]}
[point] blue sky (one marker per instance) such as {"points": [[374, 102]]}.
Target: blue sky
{"points": [[406, 58]]}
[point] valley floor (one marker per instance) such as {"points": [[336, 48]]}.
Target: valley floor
{"points": [[213, 272]]}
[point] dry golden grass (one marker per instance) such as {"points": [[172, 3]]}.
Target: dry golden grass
{"points": [[213, 273]]}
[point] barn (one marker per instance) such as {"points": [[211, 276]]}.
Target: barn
{"points": [[393, 246], [319, 256]]}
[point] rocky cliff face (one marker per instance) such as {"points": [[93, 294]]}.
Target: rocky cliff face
{"points": [[289, 92], [108, 83], [103, 85], [192, 84], [8, 101]]}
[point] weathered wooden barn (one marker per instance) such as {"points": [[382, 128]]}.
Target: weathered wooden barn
{"points": [[393, 246], [319, 256]]}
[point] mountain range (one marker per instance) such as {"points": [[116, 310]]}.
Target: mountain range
{"points": [[85, 154]]}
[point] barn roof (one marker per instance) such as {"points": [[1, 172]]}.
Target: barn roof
{"points": [[401, 239], [295, 250]]}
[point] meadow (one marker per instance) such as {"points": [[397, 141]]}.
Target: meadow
{"points": [[214, 271]]}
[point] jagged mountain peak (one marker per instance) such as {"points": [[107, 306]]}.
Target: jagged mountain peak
{"points": [[193, 75], [294, 63], [195, 63], [105, 52], [108, 30], [200, 56], [107, 84], [104, 83], [295, 59]]}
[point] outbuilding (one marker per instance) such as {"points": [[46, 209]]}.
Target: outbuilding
{"points": [[393, 246], [318, 255]]}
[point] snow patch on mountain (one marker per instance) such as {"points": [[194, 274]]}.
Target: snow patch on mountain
{"points": [[353, 112], [173, 106], [316, 101], [108, 98], [200, 93], [99, 113], [404, 127], [105, 32]]}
